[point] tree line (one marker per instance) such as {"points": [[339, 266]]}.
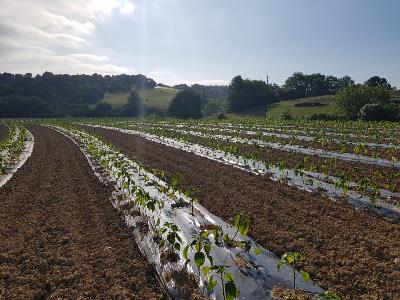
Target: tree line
{"points": [[61, 95]]}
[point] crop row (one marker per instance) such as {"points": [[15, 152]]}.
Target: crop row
{"points": [[179, 235], [384, 151], [309, 172], [343, 131], [12, 146]]}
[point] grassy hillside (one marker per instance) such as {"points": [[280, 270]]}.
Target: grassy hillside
{"points": [[274, 111], [158, 97]]}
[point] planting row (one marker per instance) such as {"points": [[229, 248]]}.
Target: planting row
{"points": [[14, 150], [317, 130], [310, 171], [381, 150], [342, 246], [182, 239]]}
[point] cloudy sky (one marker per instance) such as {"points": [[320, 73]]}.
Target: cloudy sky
{"points": [[207, 41]]}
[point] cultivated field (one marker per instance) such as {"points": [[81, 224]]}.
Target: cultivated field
{"points": [[194, 209], [158, 97]]}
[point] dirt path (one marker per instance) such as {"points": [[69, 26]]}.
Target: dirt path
{"points": [[353, 253], [3, 132], [60, 237]]}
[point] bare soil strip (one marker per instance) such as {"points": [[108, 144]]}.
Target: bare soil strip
{"points": [[60, 237], [353, 253], [3, 132]]}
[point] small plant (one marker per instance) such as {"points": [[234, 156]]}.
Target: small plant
{"points": [[173, 239], [202, 248], [229, 289], [193, 199], [293, 259]]}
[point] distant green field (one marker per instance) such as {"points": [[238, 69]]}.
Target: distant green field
{"points": [[275, 111], [158, 97]]}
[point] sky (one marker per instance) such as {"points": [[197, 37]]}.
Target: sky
{"points": [[206, 42]]}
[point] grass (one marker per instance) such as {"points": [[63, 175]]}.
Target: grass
{"points": [[275, 111], [158, 97]]}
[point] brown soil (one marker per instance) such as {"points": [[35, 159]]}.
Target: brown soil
{"points": [[287, 294], [60, 237], [353, 253], [3, 132]]}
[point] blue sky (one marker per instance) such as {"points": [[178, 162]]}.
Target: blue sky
{"points": [[208, 41]]}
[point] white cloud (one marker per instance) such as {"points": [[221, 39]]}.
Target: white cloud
{"points": [[127, 8], [55, 35]]}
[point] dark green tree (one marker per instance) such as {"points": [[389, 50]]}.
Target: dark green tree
{"points": [[103, 110], [378, 81], [134, 106], [246, 93], [351, 100], [186, 104]]}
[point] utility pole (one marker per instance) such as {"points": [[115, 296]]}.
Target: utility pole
{"points": [[265, 109]]}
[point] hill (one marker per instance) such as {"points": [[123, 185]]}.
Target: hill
{"points": [[159, 97], [323, 104]]}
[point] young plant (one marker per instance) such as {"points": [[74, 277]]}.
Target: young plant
{"points": [[173, 239], [193, 199], [229, 289], [241, 224], [202, 248], [293, 259]]}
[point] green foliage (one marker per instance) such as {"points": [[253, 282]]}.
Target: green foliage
{"points": [[135, 105], [379, 112], [286, 116], [245, 93], [173, 239], [352, 99], [241, 223], [293, 259], [211, 108], [301, 85], [24, 107], [376, 81], [229, 289], [62, 95], [185, 105]]}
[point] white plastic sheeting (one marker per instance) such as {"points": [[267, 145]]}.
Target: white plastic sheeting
{"points": [[255, 278]]}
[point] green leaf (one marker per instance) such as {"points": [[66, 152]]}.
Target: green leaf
{"points": [[206, 270], [177, 246], [211, 283], [236, 222], [231, 291], [171, 238], [257, 251], [185, 252], [305, 275], [199, 259], [228, 276], [207, 248]]}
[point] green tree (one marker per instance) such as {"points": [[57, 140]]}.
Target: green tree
{"points": [[376, 81], [211, 108], [135, 106], [103, 110], [186, 104], [246, 93], [350, 100]]}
